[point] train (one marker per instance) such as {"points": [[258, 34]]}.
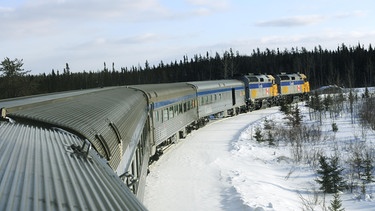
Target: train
{"points": [[92, 148]]}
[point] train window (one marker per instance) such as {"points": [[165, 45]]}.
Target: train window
{"points": [[175, 109], [180, 108], [215, 97], [202, 101], [293, 78], [156, 116], [253, 79], [261, 79], [165, 114], [284, 77], [185, 107], [212, 97], [171, 112], [139, 160]]}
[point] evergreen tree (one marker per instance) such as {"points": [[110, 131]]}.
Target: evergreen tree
{"points": [[324, 175], [270, 139], [366, 94], [13, 79], [338, 183], [294, 117], [330, 177], [368, 167], [297, 117], [351, 102], [336, 204], [258, 135], [285, 107], [334, 127]]}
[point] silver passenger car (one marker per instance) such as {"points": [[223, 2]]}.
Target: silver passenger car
{"points": [[85, 151], [218, 96], [173, 107]]}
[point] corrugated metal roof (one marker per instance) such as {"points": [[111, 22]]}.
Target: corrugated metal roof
{"points": [[166, 91], [208, 85], [39, 170], [97, 116], [34, 99]]}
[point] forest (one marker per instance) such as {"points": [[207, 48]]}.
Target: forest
{"points": [[346, 66]]}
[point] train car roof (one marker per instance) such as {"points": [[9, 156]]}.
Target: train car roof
{"points": [[165, 91], [40, 170], [35, 99], [111, 119], [215, 84], [290, 76], [255, 78]]}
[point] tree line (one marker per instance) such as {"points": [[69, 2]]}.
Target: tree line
{"points": [[348, 66]]}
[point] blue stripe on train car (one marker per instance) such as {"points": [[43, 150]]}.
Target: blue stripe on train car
{"points": [[174, 100], [288, 83], [219, 91], [260, 85]]}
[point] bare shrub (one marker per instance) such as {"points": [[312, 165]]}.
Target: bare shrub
{"points": [[310, 202]]}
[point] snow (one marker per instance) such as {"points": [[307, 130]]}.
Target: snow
{"points": [[222, 167]]}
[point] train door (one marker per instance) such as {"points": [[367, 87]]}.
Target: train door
{"points": [[233, 96]]}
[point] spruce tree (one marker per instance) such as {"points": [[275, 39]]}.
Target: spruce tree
{"points": [[285, 107], [336, 204], [366, 94], [297, 117], [330, 177], [258, 135], [368, 168], [338, 183], [324, 175]]}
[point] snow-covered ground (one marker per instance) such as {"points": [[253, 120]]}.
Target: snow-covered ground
{"points": [[222, 167]]}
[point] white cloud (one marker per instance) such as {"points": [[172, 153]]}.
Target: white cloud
{"points": [[307, 19], [5, 10], [210, 3], [353, 14], [293, 21], [207, 7], [75, 18]]}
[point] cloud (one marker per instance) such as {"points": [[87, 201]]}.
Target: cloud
{"points": [[5, 10], [35, 17], [357, 13], [328, 36], [292, 21], [207, 7], [141, 38], [210, 3], [307, 20]]}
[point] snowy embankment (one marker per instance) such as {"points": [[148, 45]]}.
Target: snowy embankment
{"points": [[222, 167]]}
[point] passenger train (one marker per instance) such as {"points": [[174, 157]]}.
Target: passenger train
{"points": [[91, 149]]}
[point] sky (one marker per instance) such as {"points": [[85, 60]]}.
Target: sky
{"points": [[47, 34]]}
